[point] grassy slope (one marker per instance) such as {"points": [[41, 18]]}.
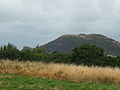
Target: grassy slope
{"points": [[16, 82]]}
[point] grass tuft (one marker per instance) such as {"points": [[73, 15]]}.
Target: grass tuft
{"points": [[62, 71]]}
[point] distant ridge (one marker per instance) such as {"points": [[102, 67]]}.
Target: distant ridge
{"points": [[67, 43]]}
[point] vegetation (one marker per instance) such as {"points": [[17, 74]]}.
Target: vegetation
{"points": [[81, 65], [85, 54], [9, 52], [67, 72], [94, 55], [16, 82]]}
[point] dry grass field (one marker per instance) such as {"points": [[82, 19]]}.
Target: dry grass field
{"points": [[61, 71]]}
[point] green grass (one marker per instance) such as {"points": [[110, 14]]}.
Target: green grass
{"points": [[17, 82]]}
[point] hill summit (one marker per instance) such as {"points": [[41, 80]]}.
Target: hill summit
{"points": [[66, 43]]}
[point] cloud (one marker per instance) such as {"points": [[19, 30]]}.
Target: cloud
{"points": [[31, 22]]}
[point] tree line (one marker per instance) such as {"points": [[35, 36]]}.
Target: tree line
{"points": [[85, 54]]}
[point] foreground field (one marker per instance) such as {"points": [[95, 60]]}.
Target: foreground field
{"points": [[16, 82], [62, 71]]}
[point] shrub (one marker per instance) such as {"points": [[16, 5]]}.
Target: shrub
{"points": [[86, 54]]}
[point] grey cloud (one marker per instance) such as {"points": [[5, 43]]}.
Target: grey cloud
{"points": [[30, 22]]}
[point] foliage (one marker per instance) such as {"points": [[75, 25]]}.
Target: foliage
{"points": [[87, 54], [84, 54], [9, 52]]}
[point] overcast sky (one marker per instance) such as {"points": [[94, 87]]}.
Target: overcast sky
{"points": [[32, 22]]}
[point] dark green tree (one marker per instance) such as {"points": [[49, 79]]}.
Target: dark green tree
{"points": [[9, 51], [86, 54], [26, 54]]}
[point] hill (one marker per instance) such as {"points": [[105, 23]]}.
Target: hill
{"points": [[67, 43]]}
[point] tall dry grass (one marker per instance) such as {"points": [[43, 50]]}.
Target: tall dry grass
{"points": [[62, 71]]}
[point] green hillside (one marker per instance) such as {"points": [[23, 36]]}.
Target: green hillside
{"points": [[67, 43], [16, 82]]}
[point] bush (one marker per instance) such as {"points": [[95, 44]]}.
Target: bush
{"points": [[86, 54]]}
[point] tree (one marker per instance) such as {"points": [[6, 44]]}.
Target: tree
{"points": [[39, 49], [26, 53], [86, 54], [9, 51]]}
